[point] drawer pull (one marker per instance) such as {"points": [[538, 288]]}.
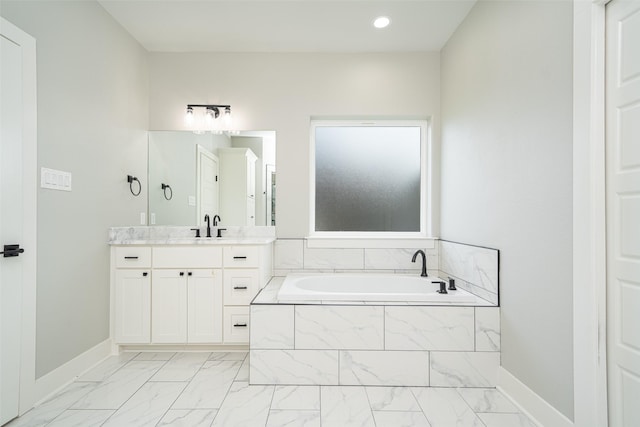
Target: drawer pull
{"points": [[131, 257], [239, 325], [239, 287], [239, 257], [190, 274], [182, 273], [145, 274]]}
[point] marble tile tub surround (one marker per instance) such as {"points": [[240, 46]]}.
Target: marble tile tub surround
{"points": [[167, 234], [393, 345], [475, 268], [215, 392], [295, 256]]}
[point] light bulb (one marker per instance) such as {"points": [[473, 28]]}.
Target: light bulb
{"points": [[227, 118], [188, 118], [381, 22]]}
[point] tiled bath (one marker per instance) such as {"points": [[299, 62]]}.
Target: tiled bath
{"points": [[377, 343], [367, 344]]}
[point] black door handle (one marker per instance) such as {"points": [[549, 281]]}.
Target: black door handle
{"points": [[11, 250]]}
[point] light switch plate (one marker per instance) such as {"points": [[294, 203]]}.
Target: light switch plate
{"points": [[55, 180]]}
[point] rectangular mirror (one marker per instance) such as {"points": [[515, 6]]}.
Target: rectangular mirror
{"points": [[230, 175]]}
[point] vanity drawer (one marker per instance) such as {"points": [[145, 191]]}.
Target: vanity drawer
{"points": [[133, 257], [242, 256], [187, 257], [236, 325], [240, 286]]}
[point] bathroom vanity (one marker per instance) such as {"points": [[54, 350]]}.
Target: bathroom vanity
{"points": [[186, 291]]}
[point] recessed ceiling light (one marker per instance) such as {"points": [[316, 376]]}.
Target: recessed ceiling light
{"points": [[381, 22]]}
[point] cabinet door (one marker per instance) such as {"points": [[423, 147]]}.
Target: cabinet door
{"points": [[132, 306], [169, 306], [251, 212], [240, 286], [251, 178], [204, 288]]}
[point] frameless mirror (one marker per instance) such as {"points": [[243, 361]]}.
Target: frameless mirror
{"points": [[231, 175]]}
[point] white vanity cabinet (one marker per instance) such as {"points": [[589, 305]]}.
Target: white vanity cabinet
{"points": [[186, 294], [186, 306], [237, 185], [132, 301], [244, 268]]}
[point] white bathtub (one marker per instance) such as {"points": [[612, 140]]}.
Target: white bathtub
{"points": [[369, 287]]}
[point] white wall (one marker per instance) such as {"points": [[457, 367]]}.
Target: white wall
{"points": [[282, 92], [507, 175], [92, 120]]}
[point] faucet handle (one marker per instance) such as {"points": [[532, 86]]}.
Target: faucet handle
{"points": [[220, 230], [197, 230], [452, 283]]}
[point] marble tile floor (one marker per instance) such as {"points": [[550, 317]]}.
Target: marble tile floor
{"points": [[212, 389]]}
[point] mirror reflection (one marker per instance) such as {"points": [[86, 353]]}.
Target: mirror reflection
{"points": [[231, 175]]}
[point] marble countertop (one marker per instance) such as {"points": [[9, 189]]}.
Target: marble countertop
{"points": [[184, 235], [211, 241]]}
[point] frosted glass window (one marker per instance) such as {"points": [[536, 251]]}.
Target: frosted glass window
{"points": [[367, 178]]}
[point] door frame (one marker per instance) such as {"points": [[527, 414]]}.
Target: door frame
{"points": [[27, 394], [589, 215]]}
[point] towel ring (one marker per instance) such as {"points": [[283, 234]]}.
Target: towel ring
{"points": [[164, 190], [130, 180]]}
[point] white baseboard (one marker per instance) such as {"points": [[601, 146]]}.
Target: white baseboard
{"points": [[60, 377], [530, 403]]}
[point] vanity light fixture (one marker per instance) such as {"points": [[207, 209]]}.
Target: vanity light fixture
{"points": [[381, 22], [211, 114]]}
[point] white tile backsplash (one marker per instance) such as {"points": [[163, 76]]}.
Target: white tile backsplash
{"points": [[288, 254], [398, 259], [474, 264], [331, 259]]}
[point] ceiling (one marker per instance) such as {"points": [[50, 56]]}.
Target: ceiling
{"points": [[288, 26]]}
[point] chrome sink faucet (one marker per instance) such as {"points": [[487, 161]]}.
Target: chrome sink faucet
{"points": [[424, 261]]}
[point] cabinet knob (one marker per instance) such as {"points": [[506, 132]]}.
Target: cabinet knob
{"points": [[189, 273], [182, 273], [145, 274]]}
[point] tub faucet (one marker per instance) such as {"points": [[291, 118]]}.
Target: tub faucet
{"points": [[206, 218], [424, 262]]}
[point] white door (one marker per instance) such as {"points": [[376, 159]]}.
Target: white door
{"points": [[10, 227], [207, 183], [169, 307], [623, 211], [204, 289]]}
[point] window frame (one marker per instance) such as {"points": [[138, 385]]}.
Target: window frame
{"points": [[426, 186]]}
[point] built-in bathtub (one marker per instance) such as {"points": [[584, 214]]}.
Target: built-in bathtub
{"points": [[355, 338], [371, 288]]}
